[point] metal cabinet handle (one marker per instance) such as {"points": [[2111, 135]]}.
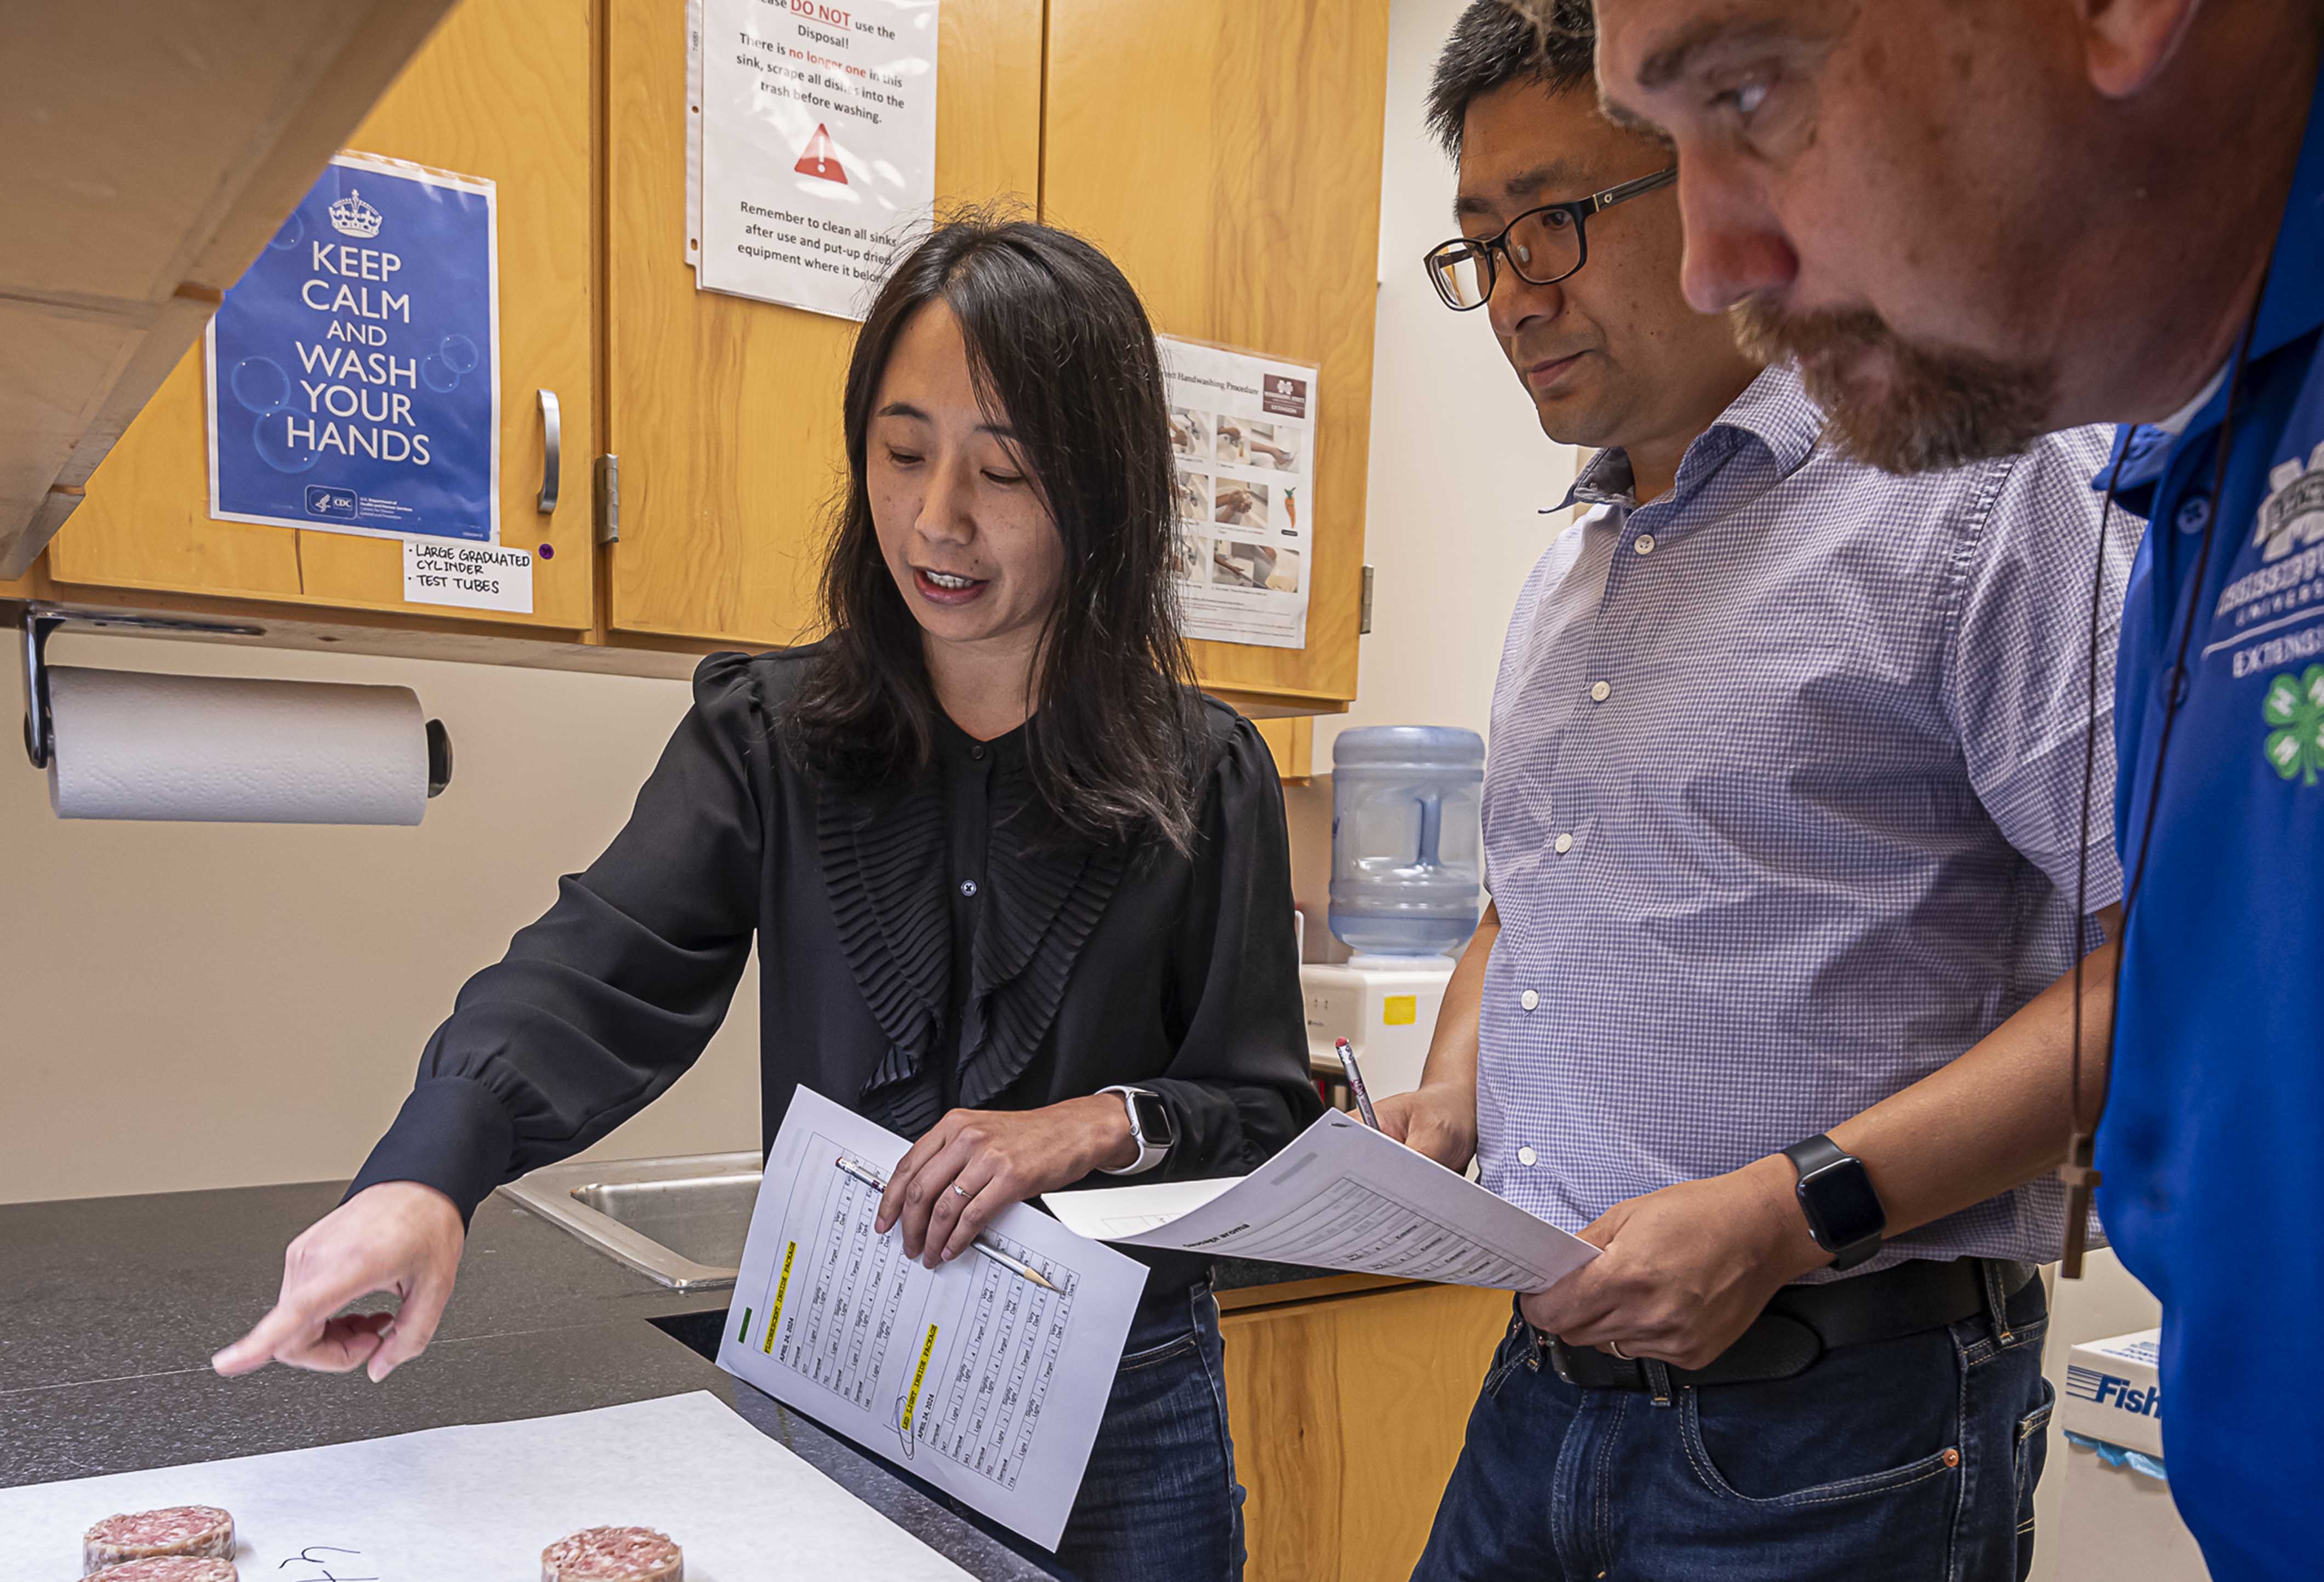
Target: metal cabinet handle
{"points": [[552, 465]]}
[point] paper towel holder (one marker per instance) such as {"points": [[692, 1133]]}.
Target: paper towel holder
{"points": [[39, 729]]}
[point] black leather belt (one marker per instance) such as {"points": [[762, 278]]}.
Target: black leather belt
{"points": [[1804, 1321]]}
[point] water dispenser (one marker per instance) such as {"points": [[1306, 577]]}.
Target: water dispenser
{"points": [[1406, 875]]}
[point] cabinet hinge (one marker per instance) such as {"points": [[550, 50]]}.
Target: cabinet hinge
{"points": [[608, 500], [1364, 611]]}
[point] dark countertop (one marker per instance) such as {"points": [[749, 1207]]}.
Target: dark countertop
{"points": [[111, 1307]]}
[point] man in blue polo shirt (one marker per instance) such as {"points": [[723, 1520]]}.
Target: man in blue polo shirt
{"points": [[1975, 219]]}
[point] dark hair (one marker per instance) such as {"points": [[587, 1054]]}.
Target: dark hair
{"points": [[1496, 42], [1059, 348]]}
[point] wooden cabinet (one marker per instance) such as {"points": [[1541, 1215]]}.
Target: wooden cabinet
{"points": [[502, 90], [1347, 1411], [724, 411], [1227, 155]]}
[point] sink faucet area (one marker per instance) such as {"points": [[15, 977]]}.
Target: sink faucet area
{"points": [[680, 1220]]}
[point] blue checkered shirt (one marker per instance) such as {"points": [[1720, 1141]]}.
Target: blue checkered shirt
{"points": [[1782, 806]]}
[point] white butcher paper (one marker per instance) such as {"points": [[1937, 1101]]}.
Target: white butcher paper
{"points": [[479, 1505], [968, 1376], [1342, 1196]]}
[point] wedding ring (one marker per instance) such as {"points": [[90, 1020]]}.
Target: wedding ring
{"points": [[1615, 1346], [955, 1187]]}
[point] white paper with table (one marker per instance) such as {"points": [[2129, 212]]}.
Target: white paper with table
{"points": [[479, 1505], [1342, 1196], [969, 1375]]}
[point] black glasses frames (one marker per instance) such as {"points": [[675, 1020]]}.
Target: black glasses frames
{"points": [[1464, 269]]}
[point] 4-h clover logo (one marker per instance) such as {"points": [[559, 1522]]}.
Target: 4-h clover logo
{"points": [[2294, 705]]}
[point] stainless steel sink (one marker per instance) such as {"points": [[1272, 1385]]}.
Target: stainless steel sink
{"points": [[680, 1220]]}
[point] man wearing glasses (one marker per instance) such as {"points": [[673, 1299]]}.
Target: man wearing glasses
{"points": [[1785, 819]]}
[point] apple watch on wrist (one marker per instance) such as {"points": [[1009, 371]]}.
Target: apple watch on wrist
{"points": [[1843, 1212], [1149, 1128]]}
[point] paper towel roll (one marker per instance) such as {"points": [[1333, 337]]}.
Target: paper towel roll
{"points": [[230, 750]]}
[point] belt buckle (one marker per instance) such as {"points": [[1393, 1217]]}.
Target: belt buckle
{"points": [[1558, 1354]]}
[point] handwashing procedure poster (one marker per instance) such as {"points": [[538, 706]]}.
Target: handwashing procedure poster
{"points": [[1243, 428], [353, 369]]}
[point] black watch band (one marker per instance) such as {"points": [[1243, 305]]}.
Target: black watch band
{"points": [[1843, 1212]]}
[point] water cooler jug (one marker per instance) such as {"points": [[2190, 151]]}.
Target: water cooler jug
{"points": [[1406, 875]]}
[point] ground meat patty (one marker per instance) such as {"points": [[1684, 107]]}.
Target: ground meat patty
{"points": [[170, 1568], [612, 1554], [182, 1530]]}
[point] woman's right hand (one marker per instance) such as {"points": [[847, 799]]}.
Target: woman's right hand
{"points": [[398, 1237]]}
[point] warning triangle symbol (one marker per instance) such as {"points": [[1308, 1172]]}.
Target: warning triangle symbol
{"points": [[821, 159]]}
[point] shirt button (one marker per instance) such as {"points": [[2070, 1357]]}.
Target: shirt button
{"points": [[1565, 844], [968, 887], [2194, 514], [1600, 691], [1529, 1000], [1644, 543], [977, 751], [1525, 1155]]}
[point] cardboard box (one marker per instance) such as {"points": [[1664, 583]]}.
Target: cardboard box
{"points": [[2113, 1391], [2117, 1522]]}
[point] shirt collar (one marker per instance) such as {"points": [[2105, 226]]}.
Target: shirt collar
{"points": [[2293, 305], [1773, 411]]}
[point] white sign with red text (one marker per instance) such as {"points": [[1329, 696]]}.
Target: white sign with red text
{"points": [[818, 132]]}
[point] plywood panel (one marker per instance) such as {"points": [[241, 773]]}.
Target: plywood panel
{"points": [[502, 90], [724, 411], [1348, 1415], [1228, 156]]}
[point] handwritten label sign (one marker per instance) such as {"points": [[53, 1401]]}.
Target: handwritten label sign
{"points": [[475, 576], [354, 368]]}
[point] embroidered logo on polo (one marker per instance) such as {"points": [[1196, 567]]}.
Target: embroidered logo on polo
{"points": [[2294, 707], [2292, 517]]}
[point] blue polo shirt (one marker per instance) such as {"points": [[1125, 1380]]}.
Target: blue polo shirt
{"points": [[2210, 1150]]}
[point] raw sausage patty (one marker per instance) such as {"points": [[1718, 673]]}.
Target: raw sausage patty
{"points": [[180, 1529], [612, 1554]]}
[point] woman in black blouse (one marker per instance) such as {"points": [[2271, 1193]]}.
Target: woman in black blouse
{"points": [[1000, 860]]}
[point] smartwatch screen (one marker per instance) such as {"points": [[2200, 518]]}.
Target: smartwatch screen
{"points": [[1845, 1203], [1153, 1118]]}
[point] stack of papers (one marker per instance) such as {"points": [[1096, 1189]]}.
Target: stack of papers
{"points": [[1341, 1197]]}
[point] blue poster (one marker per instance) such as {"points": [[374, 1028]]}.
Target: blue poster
{"points": [[354, 370]]}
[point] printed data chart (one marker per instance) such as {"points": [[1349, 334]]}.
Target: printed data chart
{"points": [[988, 1375], [983, 1407]]}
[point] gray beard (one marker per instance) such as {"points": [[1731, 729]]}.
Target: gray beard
{"points": [[1940, 408]]}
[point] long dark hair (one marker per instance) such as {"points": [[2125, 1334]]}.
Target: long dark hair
{"points": [[1060, 350]]}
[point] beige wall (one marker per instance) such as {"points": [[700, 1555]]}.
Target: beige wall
{"points": [[1460, 468], [222, 1005]]}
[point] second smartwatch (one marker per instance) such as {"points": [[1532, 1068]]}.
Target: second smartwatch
{"points": [[1843, 1212]]}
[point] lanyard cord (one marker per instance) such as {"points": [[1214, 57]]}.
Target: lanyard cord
{"points": [[2079, 1172]]}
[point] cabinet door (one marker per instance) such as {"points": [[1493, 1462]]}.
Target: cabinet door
{"points": [[1227, 156], [501, 90], [1348, 1415], [724, 411]]}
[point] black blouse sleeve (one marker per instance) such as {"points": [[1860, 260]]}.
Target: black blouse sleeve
{"points": [[1239, 1088], [608, 999]]}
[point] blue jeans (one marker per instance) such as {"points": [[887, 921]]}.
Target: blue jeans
{"points": [[1159, 1503], [1906, 1459]]}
